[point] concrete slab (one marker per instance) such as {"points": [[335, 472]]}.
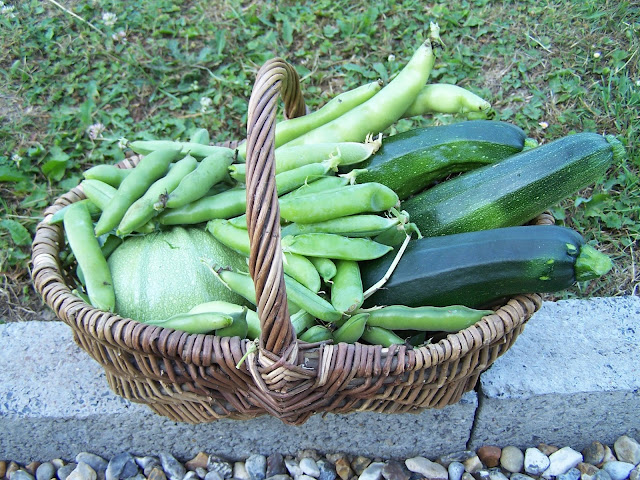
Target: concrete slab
{"points": [[55, 402], [573, 376]]}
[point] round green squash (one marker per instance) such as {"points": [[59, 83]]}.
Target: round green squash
{"points": [[161, 274]]}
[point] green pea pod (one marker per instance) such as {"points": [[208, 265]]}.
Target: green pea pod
{"points": [[325, 267], [146, 147], [316, 333], [210, 171], [239, 326], [341, 202], [57, 217], [99, 192], [251, 317], [346, 153], [78, 226], [434, 319], [324, 184], [380, 336], [226, 204], [109, 174], [347, 294], [301, 269], [301, 321], [201, 136], [142, 210], [150, 169], [445, 98], [334, 246], [310, 301], [352, 329], [363, 225], [195, 323], [108, 243]]}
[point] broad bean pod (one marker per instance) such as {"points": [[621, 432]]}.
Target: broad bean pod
{"points": [[445, 98], [445, 319], [146, 147], [352, 329], [227, 204], [195, 323], [109, 174], [380, 336], [200, 135], [57, 217]]}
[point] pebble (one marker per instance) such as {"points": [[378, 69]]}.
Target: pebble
{"points": [[280, 476], [618, 470], [627, 450], [547, 449], [64, 471], [455, 471], [430, 470], [343, 468], [156, 473], [58, 462], [372, 472], [520, 476], [394, 470], [292, 467], [275, 465], [83, 472], [256, 466], [359, 464], [327, 470], [147, 463], [608, 456], [535, 462], [571, 474], [561, 461], [240, 471], [460, 456], [305, 477], [121, 466], [496, 474], [467, 476], [171, 466], [473, 464], [3, 468], [309, 467], [512, 459], [602, 475], [224, 468], [32, 467], [96, 462], [201, 460], [482, 474], [586, 470], [593, 453], [213, 475], [46, 471], [22, 475], [490, 455], [635, 474], [310, 453], [11, 468], [191, 475]]}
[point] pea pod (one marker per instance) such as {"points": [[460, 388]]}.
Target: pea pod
{"points": [[341, 202], [150, 169], [142, 210], [380, 111], [316, 333], [352, 329], [301, 321], [200, 135], [99, 192], [251, 317], [334, 246], [195, 323], [445, 319], [57, 217], [325, 267], [239, 326], [292, 128], [380, 336], [347, 294], [195, 185], [445, 98], [310, 301], [109, 174], [227, 204], [78, 226], [146, 147], [363, 225]]}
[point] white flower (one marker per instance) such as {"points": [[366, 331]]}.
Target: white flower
{"points": [[205, 102], [122, 143], [597, 54], [391, 58], [17, 159], [120, 36], [109, 19], [543, 125], [637, 83], [195, 86], [95, 131], [7, 10]]}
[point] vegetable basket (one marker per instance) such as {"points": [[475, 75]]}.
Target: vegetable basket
{"points": [[201, 378]]}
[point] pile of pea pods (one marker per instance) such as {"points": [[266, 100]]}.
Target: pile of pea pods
{"points": [[330, 222]]}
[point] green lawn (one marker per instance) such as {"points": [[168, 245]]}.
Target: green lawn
{"points": [[78, 75]]}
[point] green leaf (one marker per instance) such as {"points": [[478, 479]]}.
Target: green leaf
{"points": [[19, 234], [10, 174], [55, 167]]}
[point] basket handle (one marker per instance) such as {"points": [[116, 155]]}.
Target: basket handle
{"points": [[263, 213]]}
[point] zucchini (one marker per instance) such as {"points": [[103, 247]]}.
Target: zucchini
{"points": [[479, 268], [516, 189], [411, 161]]}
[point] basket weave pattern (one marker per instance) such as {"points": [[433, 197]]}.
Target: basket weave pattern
{"points": [[194, 378]]}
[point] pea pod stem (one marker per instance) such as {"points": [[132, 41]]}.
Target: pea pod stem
{"points": [[385, 278]]}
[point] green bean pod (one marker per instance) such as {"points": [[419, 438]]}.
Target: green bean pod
{"points": [[292, 128], [195, 323], [432, 319], [352, 329], [301, 321], [349, 200], [210, 171], [310, 301], [380, 111], [334, 246], [362, 225], [251, 317], [57, 217], [142, 210], [380, 336], [150, 169], [347, 294], [325, 267], [201, 136], [198, 150], [78, 226], [316, 333], [109, 174], [445, 98], [227, 204]]}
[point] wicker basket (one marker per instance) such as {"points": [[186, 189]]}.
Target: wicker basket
{"points": [[193, 378]]}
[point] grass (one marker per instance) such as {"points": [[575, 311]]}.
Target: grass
{"points": [[161, 68]]}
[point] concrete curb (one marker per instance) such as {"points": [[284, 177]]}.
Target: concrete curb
{"points": [[557, 384]]}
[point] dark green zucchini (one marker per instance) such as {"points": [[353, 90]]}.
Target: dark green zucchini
{"points": [[409, 162], [478, 268], [515, 190]]}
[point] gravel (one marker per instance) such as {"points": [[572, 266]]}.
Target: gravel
{"points": [[620, 461]]}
